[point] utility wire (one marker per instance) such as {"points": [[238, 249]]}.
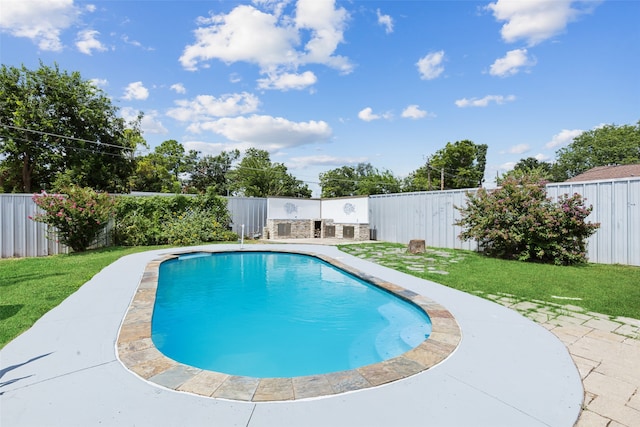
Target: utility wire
{"points": [[104, 144], [133, 151], [71, 147]]}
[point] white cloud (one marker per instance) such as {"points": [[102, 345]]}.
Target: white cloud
{"points": [[414, 112], [207, 107], [267, 132], [245, 34], [270, 40], [127, 40], [519, 149], [565, 136], [277, 6], [323, 160], [430, 66], [150, 121], [536, 20], [326, 23], [286, 81], [511, 64], [507, 166], [87, 42], [178, 88], [210, 148], [100, 82], [129, 114], [367, 115], [542, 157], [484, 102], [42, 21], [136, 90], [386, 21]]}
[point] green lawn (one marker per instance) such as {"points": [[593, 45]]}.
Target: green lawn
{"points": [[608, 289], [29, 287], [32, 286]]}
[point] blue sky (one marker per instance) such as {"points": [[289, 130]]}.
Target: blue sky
{"points": [[322, 84]]}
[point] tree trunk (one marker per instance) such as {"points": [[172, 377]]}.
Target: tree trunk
{"points": [[27, 169]]}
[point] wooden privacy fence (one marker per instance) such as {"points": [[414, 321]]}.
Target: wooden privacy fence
{"points": [[398, 218]]}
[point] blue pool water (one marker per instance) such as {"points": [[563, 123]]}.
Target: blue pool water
{"points": [[269, 314]]}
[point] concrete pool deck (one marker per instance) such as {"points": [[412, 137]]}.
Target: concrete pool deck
{"points": [[506, 371]]}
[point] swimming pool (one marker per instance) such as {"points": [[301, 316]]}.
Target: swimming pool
{"points": [[138, 353], [274, 314]]}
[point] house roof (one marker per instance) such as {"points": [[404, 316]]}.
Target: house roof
{"points": [[608, 172]]}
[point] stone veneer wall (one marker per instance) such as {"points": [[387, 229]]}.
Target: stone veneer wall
{"points": [[300, 228], [360, 231], [304, 229]]}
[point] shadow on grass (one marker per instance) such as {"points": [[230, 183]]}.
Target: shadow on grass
{"points": [[22, 278], [7, 311]]}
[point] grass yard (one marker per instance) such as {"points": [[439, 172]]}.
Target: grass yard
{"points": [[32, 286], [608, 289]]}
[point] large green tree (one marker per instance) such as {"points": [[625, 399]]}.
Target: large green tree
{"points": [[529, 167], [257, 176], [152, 175], [363, 179], [162, 170], [210, 173], [175, 158], [57, 127], [606, 145], [458, 165]]}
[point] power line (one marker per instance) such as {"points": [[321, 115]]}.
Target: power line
{"points": [[104, 144], [71, 147], [133, 151]]}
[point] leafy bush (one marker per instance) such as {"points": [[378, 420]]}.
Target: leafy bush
{"points": [[139, 220], [193, 227], [79, 215], [175, 220], [519, 221]]}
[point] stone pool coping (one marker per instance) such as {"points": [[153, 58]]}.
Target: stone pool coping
{"points": [[137, 352]]}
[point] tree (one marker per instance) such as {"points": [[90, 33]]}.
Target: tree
{"points": [[152, 175], [607, 145], [530, 167], [210, 173], [256, 176], [361, 180], [161, 170], [462, 164], [174, 158], [339, 182], [56, 125]]}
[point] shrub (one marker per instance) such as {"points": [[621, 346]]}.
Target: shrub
{"points": [[519, 221], [194, 226], [175, 220], [139, 220], [79, 215]]}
